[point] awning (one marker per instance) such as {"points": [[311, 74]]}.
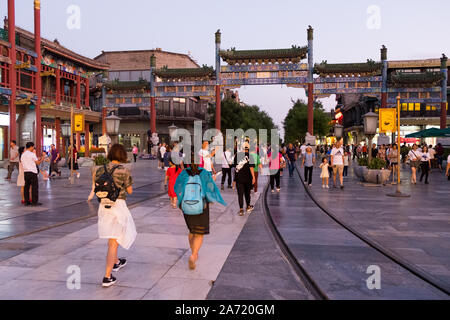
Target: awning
{"points": [[430, 133]]}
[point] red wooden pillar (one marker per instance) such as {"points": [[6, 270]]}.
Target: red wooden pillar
{"points": [[153, 114], [37, 48], [86, 98], [5, 143], [78, 103], [12, 70], [383, 99], [87, 140], [443, 121], [218, 108], [58, 133], [311, 108], [104, 111], [58, 86]]}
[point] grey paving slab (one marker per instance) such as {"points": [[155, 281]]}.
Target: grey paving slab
{"points": [[255, 268], [157, 262], [336, 259], [416, 228]]}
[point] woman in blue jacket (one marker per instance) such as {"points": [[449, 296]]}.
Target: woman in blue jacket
{"points": [[198, 224]]}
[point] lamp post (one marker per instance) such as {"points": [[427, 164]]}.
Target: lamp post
{"points": [[370, 129], [338, 131], [172, 130], [65, 132], [112, 125], [398, 193]]}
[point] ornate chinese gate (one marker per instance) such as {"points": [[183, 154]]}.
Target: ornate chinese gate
{"points": [[288, 67]]}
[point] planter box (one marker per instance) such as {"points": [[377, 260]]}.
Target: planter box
{"points": [[93, 155], [376, 176], [358, 170]]}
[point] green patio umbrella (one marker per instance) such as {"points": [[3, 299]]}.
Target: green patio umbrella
{"points": [[430, 133]]}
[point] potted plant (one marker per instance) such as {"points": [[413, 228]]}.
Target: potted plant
{"points": [[375, 172], [362, 162], [94, 151]]}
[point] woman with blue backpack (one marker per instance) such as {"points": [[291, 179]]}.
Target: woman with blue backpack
{"points": [[196, 189]]}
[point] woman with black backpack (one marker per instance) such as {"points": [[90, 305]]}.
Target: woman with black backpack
{"points": [[113, 182], [195, 189]]}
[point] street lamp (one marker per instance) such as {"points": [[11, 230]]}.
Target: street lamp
{"points": [[112, 124], [65, 130], [370, 129], [338, 131], [172, 130], [398, 193]]}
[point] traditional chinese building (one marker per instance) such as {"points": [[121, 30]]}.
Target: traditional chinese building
{"points": [[127, 93], [39, 83]]}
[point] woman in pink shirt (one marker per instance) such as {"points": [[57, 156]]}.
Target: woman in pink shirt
{"points": [[135, 152], [275, 163]]}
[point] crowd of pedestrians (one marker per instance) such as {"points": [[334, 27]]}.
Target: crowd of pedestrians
{"points": [[192, 188]]}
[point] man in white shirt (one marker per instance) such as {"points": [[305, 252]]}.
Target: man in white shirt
{"points": [[13, 159], [227, 162], [337, 162], [162, 151], [303, 150], [206, 157], [29, 164]]}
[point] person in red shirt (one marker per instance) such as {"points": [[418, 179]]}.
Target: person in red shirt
{"points": [[171, 175]]}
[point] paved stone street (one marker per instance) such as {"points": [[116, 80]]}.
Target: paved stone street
{"points": [[157, 266], [240, 258], [415, 228]]}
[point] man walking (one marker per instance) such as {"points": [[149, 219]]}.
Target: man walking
{"points": [[13, 159], [292, 157], [337, 161], [55, 157], [30, 163], [227, 163], [245, 178]]}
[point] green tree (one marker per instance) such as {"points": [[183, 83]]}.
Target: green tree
{"points": [[296, 122]]}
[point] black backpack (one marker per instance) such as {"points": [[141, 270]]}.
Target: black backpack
{"points": [[105, 188]]}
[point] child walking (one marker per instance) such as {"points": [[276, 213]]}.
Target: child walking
{"points": [[325, 174], [116, 223], [171, 175]]}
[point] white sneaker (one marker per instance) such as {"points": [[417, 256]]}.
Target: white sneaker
{"points": [[278, 189], [273, 191], [323, 186], [78, 175], [328, 187]]}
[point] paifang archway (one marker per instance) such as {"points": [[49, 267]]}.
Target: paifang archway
{"points": [[294, 67]]}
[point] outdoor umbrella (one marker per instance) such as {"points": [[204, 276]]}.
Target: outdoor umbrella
{"points": [[428, 133]]}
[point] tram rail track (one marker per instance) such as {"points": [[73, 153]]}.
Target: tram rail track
{"points": [[395, 258], [309, 282], [305, 278]]}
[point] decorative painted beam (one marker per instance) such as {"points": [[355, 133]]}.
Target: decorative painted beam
{"points": [[415, 100], [347, 90], [185, 94], [265, 67], [263, 81], [432, 89], [211, 83], [348, 79]]}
